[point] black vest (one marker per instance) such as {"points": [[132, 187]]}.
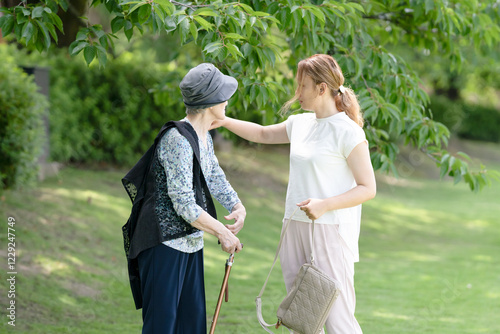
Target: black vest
{"points": [[143, 230]]}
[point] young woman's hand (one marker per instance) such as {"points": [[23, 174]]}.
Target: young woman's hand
{"points": [[238, 214], [313, 207], [217, 123]]}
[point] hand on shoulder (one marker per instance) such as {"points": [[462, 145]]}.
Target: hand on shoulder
{"points": [[218, 123]]}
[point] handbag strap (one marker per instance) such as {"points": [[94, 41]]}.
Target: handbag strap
{"points": [[258, 299]]}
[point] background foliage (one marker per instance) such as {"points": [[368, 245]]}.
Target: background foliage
{"points": [[467, 120], [260, 43], [102, 115], [21, 107]]}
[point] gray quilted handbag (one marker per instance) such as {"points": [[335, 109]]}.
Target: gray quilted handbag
{"points": [[307, 305]]}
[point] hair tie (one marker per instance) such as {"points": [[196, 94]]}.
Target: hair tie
{"points": [[342, 89]]}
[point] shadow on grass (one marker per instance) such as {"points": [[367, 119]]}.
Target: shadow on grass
{"points": [[428, 254]]}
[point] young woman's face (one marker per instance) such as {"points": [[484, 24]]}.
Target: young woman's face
{"points": [[308, 93]]}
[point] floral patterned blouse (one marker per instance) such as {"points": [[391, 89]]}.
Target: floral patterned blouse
{"points": [[176, 156]]}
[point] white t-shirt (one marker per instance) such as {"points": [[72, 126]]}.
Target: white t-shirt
{"points": [[319, 148]]}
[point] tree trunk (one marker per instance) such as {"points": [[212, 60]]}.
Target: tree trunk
{"points": [[9, 3], [71, 21]]}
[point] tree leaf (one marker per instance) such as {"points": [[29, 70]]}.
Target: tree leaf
{"points": [[246, 8], [56, 20], [212, 47], [45, 33], [204, 11], [28, 31], [242, 19], [194, 30], [101, 56], [52, 30], [97, 31], [135, 7], [170, 24], [167, 6], [144, 13], [20, 17], [233, 49], [464, 155], [429, 5], [128, 30], [83, 34], [444, 170], [77, 46], [357, 6], [260, 14], [8, 24], [37, 12], [204, 23], [89, 53], [316, 12], [117, 24], [233, 36]]}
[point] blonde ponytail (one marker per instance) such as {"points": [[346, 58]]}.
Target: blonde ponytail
{"points": [[348, 102]]}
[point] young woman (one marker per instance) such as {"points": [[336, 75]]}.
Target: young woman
{"points": [[330, 176]]}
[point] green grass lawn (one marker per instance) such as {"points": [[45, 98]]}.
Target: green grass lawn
{"points": [[429, 253]]}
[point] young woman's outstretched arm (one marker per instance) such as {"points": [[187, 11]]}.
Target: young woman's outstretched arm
{"points": [[270, 134]]}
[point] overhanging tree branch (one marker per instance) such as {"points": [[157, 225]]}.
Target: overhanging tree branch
{"points": [[253, 39]]}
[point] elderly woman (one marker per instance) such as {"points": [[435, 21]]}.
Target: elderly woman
{"points": [[184, 173]]}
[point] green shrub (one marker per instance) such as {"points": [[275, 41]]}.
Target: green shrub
{"points": [[448, 112], [21, 108], [106, 115], [480, 123], [466, 120]]}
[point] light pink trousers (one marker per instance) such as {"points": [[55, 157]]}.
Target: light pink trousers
{"points": [[330, 256]]}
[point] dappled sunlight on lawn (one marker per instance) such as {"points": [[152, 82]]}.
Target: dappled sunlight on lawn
{"points": [[417, 256], [428, 250], [492, 295], [68, 300], [390, 217], [269, 206], [478, 224], [483, 258], [84, 196], [450, 320], [50, 266], [73, 259], [388, 315]]}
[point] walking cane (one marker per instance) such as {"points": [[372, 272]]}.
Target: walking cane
{"points": [[223, 291]]}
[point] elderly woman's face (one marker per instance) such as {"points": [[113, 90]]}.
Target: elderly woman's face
{"points": [[219, 110]]}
